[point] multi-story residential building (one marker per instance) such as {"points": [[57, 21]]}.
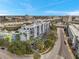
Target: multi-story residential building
{"points": [[73, 31], [35, 29], [30, 29]]}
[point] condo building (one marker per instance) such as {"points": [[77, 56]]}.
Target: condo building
{"points": [[28, 30], [34, 29], [73, 31]]}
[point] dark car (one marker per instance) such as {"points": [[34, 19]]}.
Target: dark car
{"points": [[2, 48]]}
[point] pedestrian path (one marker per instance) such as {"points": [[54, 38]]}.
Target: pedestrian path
{"points": [[69, 49]]}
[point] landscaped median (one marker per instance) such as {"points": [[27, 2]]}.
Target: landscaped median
{"points": [[54, 52]]}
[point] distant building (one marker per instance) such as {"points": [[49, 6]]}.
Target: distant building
{"points": [[2, 18], [76, 18], [73, 31]]}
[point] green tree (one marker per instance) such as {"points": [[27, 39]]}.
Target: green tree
{"points": [[20, 48], [39, 44], [18, 36], [16, 47], [8, 38], [1, 42], [48, 43]]}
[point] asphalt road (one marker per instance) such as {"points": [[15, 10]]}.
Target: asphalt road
{"points": [[5, 55], [64, 49]]}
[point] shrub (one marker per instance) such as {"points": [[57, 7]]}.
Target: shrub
{"points": [[19, 48]]}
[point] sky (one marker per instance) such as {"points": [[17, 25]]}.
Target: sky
{"points": [[39, 7]]}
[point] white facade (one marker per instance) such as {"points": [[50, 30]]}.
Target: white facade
{"points": [[73, 34], [35, 29], [31, 30], [4, 34]]}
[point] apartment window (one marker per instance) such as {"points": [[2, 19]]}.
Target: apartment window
{"points": [[42, 28], [24, 28], [27, 28], [37, 30], [31, 30]]}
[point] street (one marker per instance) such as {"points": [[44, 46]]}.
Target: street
{"points": [[64, 49], [3, 55]]}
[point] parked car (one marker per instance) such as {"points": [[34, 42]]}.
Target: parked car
{"points": [[2, 48]]}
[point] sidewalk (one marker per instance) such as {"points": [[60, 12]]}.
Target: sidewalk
{"points": [[69, 49]]}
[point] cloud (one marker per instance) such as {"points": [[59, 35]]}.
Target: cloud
{"points": [[55, 3], [74, 13], [4, 12], [5, 1], [50, 12], [10, 12], [21, 7], [27, 6]]}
